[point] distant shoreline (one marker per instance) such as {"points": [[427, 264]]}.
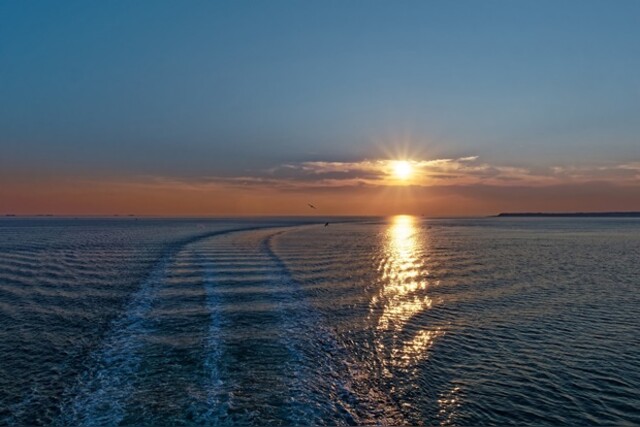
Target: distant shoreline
{"points": [[570, 214]]}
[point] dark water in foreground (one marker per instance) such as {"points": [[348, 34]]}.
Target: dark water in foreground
{"points": [[278, 322]]}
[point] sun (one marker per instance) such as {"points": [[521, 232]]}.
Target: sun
{"points": [[402, 169]]}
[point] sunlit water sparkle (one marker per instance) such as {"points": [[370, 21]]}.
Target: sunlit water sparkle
{"points": [[390, 321]]}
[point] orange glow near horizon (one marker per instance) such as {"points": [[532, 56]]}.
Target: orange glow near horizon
{"points": [[62, 195]]}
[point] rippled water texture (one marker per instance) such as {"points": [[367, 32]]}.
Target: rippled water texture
{"points": [[281, 322]]}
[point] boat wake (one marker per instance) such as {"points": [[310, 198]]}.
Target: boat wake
{"points": [[267, 354]]}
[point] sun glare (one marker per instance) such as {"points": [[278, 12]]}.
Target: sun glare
{"points": [[402, 169]]}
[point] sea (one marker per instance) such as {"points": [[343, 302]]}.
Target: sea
{"points": [[400, 320]]}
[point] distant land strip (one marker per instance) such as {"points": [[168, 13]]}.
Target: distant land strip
{"points": [[571, 214]]}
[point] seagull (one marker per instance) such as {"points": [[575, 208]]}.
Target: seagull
{"points": [[311, 206], [326, 224]]}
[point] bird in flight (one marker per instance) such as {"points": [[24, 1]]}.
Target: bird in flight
{"points": [[311, 206]]}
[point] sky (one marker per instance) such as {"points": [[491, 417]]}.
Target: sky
{"points": [[258, 108]]}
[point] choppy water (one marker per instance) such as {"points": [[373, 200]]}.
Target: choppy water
{"points": [[279, 322]]}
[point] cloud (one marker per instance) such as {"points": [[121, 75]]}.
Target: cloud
{"points": [[462, 171], [450, 171], [439, 187]]}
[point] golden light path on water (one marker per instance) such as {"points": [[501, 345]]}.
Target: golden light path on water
{"points": [[404, 294], [403, 339]]}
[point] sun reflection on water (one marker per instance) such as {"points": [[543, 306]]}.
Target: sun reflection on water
{"points": [[403, 294], [449, 402]]}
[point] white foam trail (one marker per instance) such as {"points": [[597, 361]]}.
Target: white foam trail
{"points": [[218, 400], [303, 333], [328, 383], [102, 392]]}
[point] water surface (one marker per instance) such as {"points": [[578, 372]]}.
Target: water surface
{"points": [[399, 320]]}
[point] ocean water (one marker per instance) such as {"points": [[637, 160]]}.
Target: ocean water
{"points": [[384, 321]]}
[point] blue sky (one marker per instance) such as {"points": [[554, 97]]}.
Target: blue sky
{"points": [[192, 89]]}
